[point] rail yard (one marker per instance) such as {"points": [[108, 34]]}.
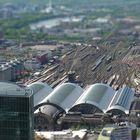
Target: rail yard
{"points": [[108, 54], [92, 64], [77, 62]]}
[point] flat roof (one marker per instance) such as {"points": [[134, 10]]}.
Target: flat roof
{"points": [[12, 89], [4, 68], [63, 134]]}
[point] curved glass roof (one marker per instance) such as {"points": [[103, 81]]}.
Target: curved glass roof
{"points": [[40, 91], [125, 95], [123, 99], [37, 86], [105, 98], [98, 95], [64, 95], [85, 109], [92, 93]]}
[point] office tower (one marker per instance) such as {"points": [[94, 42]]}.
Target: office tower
{"points": [[16, 112]]}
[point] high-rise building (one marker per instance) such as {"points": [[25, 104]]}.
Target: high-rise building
{"points": [[16, 112]]}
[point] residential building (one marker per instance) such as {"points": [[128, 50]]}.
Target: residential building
{"points": [[42, 58], [5, 73], [32, 64], [10, 71]]}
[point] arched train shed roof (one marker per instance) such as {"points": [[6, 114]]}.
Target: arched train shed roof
{"points": [[105, 99], [122, 100], [40, 90], [98, 95], [64, 95]]}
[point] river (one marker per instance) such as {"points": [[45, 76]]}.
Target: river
{"points": [[50, 23]]}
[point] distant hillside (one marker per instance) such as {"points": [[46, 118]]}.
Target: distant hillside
{"points": [[70, 2], [23, 1]]}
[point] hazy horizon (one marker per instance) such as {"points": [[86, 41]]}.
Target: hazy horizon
{"points": [[64, 1]]}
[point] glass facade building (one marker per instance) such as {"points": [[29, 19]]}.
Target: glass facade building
{"points": [[16, 113]]}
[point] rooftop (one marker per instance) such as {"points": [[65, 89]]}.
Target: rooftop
{"points": [[10, 89], [64, 95], [106, 99], [40, 91], [65, 134]]}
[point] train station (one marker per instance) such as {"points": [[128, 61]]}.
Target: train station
{"points": [[69, 104]]}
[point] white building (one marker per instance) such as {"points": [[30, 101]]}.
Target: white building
{"points": [[32, 65], [63, 135]]}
